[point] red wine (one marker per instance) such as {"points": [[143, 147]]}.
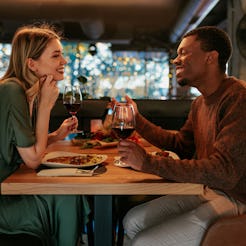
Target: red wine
{"points": [[72, 108], [123, 133]]}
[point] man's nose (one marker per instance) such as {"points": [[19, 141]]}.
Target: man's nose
{"points": [[174, 61]]}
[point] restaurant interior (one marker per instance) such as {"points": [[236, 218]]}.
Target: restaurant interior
{"points": [[125, 47]]}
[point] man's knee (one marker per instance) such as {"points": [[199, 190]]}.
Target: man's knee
{"points": [[130, 224]]}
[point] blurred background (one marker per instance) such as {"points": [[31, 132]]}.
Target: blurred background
{"points": [[124, 46]]}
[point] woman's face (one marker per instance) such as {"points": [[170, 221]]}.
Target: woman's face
{"points": [[51, 62]]}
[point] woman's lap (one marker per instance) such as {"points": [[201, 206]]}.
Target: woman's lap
{"points": [[57, 218]]}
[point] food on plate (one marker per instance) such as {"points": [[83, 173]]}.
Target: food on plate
{"points": [[162, 153], [77, 159], [97, 139], [84, 143]]}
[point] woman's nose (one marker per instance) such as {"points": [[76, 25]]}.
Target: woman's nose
{"points": [[64, 61]]}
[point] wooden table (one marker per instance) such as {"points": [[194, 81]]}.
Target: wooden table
{"points": [[111, 180]]}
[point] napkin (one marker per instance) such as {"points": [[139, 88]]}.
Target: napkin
{"points": [[66, 172]]}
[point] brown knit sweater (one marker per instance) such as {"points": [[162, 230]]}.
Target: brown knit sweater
{"points": [[211, 144]]}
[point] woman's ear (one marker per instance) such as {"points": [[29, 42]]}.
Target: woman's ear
{"points": [[31, 64]]}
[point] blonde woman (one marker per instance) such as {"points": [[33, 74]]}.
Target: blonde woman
{"points": [[28, 91]]}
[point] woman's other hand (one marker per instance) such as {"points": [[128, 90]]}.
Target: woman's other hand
{"points": [[67, 127]]}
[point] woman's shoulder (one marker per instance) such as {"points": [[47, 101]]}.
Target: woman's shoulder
{"points": [[11, 87]]}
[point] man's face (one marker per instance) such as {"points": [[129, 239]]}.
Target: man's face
{"points": [[190, 62]]}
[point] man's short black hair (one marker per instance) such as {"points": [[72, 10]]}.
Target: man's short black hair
{"points": [[213, 38]]}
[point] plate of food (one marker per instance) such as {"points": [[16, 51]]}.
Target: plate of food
{"points": [[69, 159], [164, 153], [97, 144], [95, 140]]}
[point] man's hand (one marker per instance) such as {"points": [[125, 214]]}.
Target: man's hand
{"points": [[132, 154]]}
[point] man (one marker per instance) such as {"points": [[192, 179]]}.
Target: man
{"points": [[211, 146]]}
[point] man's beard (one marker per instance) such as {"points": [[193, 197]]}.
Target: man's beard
{"points": [[183, 82]]}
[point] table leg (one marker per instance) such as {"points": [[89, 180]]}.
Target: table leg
{"points": [[103, 228]]}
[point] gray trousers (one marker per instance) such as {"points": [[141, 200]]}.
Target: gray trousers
{"points": [[178, 220]]}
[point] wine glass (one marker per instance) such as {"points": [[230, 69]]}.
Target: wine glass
{"points": [[72, 99], [123, 120]]}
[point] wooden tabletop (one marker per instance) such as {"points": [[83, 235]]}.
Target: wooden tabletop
{"points": [[109, 180]]}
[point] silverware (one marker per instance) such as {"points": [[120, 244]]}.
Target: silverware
{"points": [[91, 171]]}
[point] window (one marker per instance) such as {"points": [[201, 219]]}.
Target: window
{"points": [[116, 73], [139, 74]]}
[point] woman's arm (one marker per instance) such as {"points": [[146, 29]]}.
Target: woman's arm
{"points": [[32, 156]]}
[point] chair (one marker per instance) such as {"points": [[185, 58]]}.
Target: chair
{"points": [[226, 232], [19, 239]]}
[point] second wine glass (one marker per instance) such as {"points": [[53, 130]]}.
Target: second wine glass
{"points": [[123, 120], [72, 100]]}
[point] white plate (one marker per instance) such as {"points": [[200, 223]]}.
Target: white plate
{"points": [[119, 163], [100, 159], [171, 154]]}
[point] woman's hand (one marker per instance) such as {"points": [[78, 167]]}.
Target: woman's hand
{"points": [[49, 91], [67, 127], [132, 154]]}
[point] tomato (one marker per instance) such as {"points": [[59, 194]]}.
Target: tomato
{"points": [[134, 139], [163, 153]]}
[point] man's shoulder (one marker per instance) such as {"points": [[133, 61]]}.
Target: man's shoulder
{"points": [[241, 84]]}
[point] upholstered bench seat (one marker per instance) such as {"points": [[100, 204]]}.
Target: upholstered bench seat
{"points": [[227, 232]]}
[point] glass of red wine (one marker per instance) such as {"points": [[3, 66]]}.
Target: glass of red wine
{"points": [[72, 99], [123, 120]]}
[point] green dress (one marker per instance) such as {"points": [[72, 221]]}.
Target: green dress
{"points": [[56, 219]]}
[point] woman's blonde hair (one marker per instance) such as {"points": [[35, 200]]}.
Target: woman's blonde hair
{"points": [[28, 42]]}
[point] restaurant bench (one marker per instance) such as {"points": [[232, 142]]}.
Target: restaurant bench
{"points": [[169, 114], [226, 232], [90, 109]]}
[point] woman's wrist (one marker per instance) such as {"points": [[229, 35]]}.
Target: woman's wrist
{"points": [[52, 137]]}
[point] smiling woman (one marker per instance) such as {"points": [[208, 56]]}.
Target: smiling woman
{"points": [[28, 92]]}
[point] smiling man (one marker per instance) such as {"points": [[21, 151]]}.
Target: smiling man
{"points": [[211, 146]]}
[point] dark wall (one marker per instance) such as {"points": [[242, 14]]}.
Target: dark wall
{"points": [[169, 114]]}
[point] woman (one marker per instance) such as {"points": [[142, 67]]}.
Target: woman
{"points": [[28, 91]]}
